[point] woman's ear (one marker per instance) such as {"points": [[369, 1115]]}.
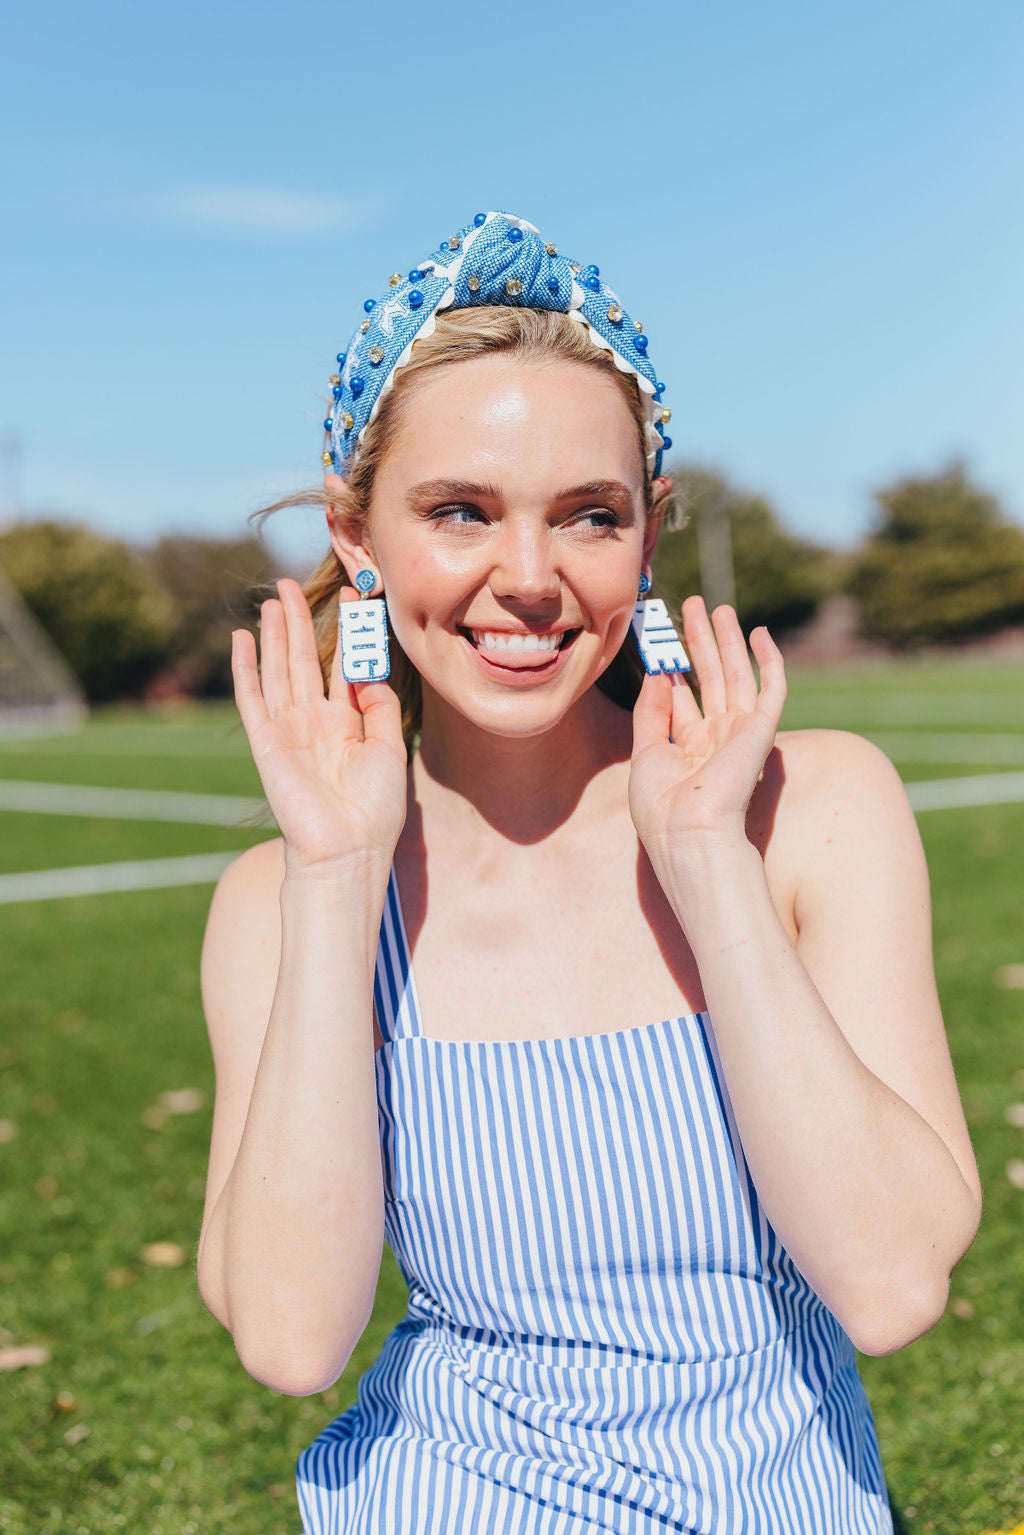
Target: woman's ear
{"points": [[349, 535]]}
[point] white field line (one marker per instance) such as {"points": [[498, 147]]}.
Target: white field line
{"points": [[956, 793], [206, 868], [126, 804], [900, 709], [963, 746], [100, 878]]}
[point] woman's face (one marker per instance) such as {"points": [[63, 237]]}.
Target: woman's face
{"points": [[507, 523]]}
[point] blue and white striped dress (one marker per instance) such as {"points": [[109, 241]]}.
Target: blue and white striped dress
{"points": [[604, 1334]]}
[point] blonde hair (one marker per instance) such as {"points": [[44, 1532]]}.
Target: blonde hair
{"points": [[458, 336]]}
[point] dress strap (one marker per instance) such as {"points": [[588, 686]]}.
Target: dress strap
{"points": [[394, 988]]}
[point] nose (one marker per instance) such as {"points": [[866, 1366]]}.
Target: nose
{"points": [[525, 567]]}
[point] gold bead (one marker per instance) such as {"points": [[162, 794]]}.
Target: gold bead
{"points": [[335, 378], [376, 354], [666, 415], [365, 326], [348, 421], [473, 283], [394, 279], [575, 268], [454, 243], [552, 250], [327, 457], [637, 326], [513, 287], [615, 314]]}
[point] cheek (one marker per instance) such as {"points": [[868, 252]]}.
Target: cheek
{"points": [[422, 586]]}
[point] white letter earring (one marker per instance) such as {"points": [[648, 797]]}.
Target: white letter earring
{"points": [[363, 634], [660, 647]]}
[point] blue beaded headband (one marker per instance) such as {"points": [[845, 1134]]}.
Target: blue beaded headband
{"points": [[497, 259]]}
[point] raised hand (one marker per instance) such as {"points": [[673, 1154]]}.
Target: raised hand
{"points": [[333, 768], [693, 772]]}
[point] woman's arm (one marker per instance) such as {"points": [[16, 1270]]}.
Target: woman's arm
{"points": [[292, 1235], [833, 1049], [293, 1230]]}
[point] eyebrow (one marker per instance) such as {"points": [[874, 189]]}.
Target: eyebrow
{"points": [[452, 489]]}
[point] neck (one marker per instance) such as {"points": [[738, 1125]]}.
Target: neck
{"points": [[521, 789]]}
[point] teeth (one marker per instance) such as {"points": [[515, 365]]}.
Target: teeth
{"points": [[488, 639]]}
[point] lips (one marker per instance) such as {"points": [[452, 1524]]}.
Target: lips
{"points": [[519, 650]]}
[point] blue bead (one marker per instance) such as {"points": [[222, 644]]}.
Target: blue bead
{"points": [[479, 218], [553, 284], [593, 283], [415, 298], [356, 385], [415, 274], [595, 271], [369, 304], [340, 359], [666, 442], [337, 391], [661, 388], [328, 423], [515, 233], [640, 342]]}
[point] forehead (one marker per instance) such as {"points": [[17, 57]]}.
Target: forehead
{"points": [[516, 423]]}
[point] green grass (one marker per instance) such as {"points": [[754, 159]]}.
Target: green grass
{"points": [[55, 841], [101, 1014]]}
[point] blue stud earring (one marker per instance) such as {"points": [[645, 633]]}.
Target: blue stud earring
{"points": [[660, 647], [363, 634]]}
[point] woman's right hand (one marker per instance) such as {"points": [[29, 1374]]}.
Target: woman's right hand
{"points": [[333, 768]]}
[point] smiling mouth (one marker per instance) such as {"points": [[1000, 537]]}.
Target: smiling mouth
{"points": [[521, 650]]}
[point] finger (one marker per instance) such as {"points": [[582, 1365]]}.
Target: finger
{"points": [[702, 649], [685, 709], [277, 688], [652, 713], [341, 694], [338, 690], [248, 693], [382, 713], [307, 680], [772, 667], [740, 686]]}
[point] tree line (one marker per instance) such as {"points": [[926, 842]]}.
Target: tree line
{"points": [[941, 563]]}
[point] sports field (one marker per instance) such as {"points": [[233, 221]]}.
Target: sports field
{"points": [[131, 1410]]}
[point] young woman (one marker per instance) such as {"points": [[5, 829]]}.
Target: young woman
{"points": [[614, 1012]]}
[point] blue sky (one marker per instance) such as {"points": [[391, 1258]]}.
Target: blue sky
{"points": [[816, 211]]}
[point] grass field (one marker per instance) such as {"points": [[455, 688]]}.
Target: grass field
{"points": [[142, 1418]]}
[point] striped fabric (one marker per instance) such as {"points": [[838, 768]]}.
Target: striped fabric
{"points": [[604, 1333]]}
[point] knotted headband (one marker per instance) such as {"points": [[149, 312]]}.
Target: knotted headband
{"points": [[497, 259]]}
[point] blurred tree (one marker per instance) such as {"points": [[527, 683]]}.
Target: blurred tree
{"points": [[97, 598], [942, 563], [779, 579], [216, 585]]}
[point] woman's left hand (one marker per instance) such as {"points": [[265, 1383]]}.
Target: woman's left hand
{"points": [[693, 772]]}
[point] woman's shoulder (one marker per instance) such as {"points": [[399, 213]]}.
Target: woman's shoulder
{"points": [[248, 890], [263, 863], [825, 759], [836, 788]]}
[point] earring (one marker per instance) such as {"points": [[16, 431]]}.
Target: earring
{"points": [[660, 647], [363, 634]]}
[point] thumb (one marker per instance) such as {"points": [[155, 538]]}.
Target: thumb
{"points": [[652, 714], [382, 714]]}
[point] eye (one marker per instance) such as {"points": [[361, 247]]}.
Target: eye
{"points": [[598, 517], [462, 514]]}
